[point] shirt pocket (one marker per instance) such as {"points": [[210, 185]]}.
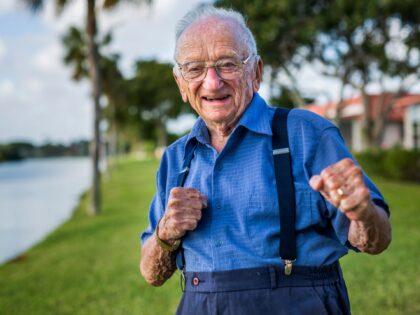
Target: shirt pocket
{"points": [[263, 218], [310, 207]]}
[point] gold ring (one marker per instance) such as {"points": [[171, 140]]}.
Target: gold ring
{"points": [[340, 191]]}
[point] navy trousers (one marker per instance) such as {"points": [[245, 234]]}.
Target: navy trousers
{"points": [[266, 291]]}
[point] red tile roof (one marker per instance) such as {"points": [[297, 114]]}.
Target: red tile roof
{"points": [[353, 108]]}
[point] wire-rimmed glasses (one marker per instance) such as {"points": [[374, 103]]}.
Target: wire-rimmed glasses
{"points": [[226, 68]]}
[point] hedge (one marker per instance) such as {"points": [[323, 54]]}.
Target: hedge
{"points": [[396, 163]]}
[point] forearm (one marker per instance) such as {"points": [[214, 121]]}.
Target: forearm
{"points": [[373, 234], [156, 264]]}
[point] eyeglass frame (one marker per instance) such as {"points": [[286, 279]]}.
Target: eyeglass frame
{"points": [[242, 63]]}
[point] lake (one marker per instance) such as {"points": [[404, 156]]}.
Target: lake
{"points": [[36, 196]]}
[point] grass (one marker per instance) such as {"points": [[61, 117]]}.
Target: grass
{"points": [[90, 265]]}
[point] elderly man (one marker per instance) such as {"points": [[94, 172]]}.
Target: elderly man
{"points": [[256, 224]]}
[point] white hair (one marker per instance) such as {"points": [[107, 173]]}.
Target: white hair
{"points": [[207, 11]]}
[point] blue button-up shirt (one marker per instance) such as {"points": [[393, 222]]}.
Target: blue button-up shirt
{"points": [[240, 227]]}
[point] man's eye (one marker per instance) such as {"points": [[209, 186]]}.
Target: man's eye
{"points": [[194, 68], [227, 65]]}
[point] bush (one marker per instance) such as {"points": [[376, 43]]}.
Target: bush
{"points": [[372, 161], [402, 164], [395, 163]]}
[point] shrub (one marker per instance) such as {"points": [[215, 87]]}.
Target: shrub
{"points": [[402, 164], [396, 163], [372, 161]]}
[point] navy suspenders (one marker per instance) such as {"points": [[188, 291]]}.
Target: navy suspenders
{"points": [[285, 188]]}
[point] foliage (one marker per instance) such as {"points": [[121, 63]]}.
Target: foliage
{"points": [[395, 163], [284, 30], [90, 267], [154, 98], [402, 164], [138, 107], [15, 151], [358, 42]]}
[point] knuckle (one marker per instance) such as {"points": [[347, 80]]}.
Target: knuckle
{"points": [[191, 225], [365, 193], [347, 161], [327, 173], [175, 192], [199, 215]]}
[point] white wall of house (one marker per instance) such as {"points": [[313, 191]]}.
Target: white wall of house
{"points": [[392, 136], [412, 114], [357, 136]]}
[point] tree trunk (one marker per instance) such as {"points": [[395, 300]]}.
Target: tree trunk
{"points": [[93, 59], [367, 121], [162, 135]]}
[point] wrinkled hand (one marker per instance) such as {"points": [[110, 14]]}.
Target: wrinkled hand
{"points": [[182, 214], [343, 186]]}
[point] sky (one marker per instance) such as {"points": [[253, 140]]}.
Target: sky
{"points": [[38, 100]]}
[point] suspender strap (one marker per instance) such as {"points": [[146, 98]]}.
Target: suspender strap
{"points": [[285, 188], [182, 176], [189, 154]]}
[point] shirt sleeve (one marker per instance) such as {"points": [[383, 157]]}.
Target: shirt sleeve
{"points": [[331, 149]]}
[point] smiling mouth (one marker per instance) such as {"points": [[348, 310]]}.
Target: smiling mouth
{"points": [[215, 98]]}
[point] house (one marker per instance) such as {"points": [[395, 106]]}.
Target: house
{"points": [[402, 117]]}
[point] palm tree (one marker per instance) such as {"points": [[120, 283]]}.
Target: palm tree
{"points": [[95, 78]]}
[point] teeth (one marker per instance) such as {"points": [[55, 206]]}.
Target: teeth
{"points": [[215, 99]]}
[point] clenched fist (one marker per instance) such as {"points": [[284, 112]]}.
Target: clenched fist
{"points": [[342, 185], [182, 213]]}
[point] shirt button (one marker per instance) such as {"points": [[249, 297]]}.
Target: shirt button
{"points": [[219, 167], [218, 206], [218, 244]]}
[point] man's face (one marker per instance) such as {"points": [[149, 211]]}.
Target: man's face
{"points": [[217, 101]]}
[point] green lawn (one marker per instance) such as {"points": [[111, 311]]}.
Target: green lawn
{"points": [[90, 265]]}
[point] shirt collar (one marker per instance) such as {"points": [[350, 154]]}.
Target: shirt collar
{"points": [[257, 118]]}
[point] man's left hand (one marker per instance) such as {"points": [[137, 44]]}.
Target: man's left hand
{"points": [[343, 186]]}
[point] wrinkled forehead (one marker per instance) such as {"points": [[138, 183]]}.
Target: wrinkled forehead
{"points": [[210, 37]]}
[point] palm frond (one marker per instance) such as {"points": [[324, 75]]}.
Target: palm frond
{"points": [[34, 5], [109, 4]]}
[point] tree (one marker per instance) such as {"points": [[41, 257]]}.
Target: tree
{"points": [[95, 78], [354, 41], [114, 84], [283, 29], [154, 98], [365, 42]]}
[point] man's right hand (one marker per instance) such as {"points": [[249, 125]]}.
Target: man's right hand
{"points": [[182, 213]]}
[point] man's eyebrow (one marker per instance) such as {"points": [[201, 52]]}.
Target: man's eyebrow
{"points": [[224, 56]]}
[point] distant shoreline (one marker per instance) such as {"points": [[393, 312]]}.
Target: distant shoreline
{"points": [[18, 151]]}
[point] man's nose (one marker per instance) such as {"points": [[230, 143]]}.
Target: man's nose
{"points": [[212, 80]]}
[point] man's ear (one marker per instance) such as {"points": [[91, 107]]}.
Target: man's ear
{"points": [[180, 84], [258, 71]]}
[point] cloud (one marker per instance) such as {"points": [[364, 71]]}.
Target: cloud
{"points": [[49, 60], [2, 50], [8, 5], [72, 15], [7, 87]]}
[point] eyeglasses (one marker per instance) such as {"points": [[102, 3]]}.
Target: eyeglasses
{"points": [[226, 68]]}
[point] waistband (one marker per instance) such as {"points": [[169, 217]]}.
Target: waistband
{"points": [[261, 278]]}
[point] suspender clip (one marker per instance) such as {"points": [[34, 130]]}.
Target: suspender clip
{"points": [[182, 279], [288, 264]]}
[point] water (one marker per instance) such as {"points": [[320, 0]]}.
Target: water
{"points": [[36, 196]]}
